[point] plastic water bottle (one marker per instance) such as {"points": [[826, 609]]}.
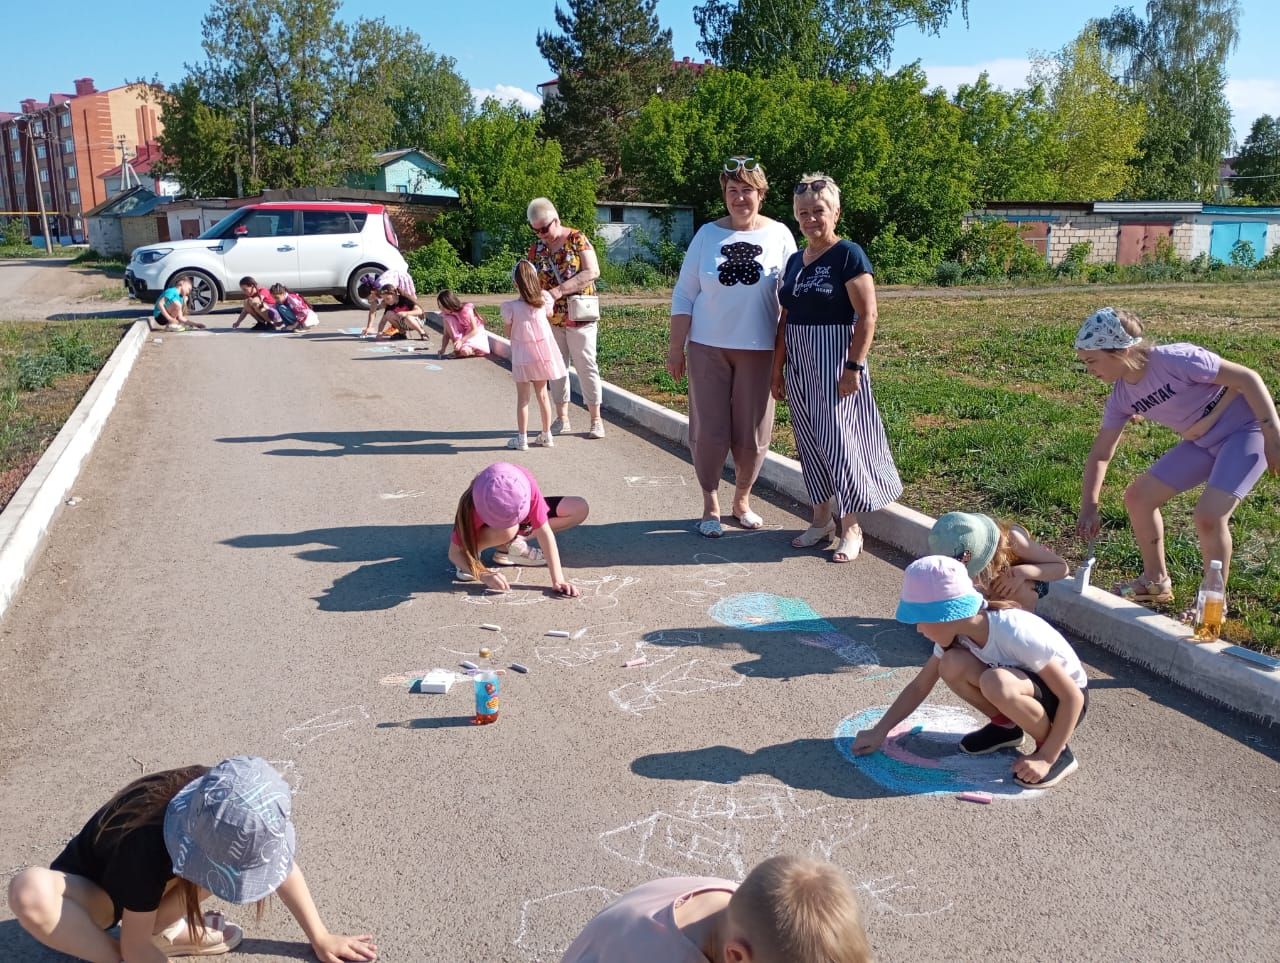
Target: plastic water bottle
{"points": [[487, 685], [1211, 605]]}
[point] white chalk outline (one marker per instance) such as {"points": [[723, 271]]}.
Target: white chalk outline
{"points": [[525, 936], [714, 571], [321, 729], [686, 679], [655, 481], [403, 493]]}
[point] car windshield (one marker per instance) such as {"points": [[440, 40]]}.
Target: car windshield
{"points": [[217, 231]]}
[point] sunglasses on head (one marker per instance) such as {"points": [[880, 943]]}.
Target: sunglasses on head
{"points": [[814, 186], [735, 164]]}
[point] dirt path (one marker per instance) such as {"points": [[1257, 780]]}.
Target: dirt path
{"points": [[40, 289]]}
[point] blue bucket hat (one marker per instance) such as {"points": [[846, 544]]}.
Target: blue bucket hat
{"points": [[955, 533], [229, 830], [937, 589]]}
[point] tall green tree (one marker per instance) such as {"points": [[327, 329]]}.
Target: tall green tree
{"points": [[1010, 134], [1176, 63], [1095, 123], [1258, 164], [610, 57], [288, 96], [430, 99], [836, 39]]}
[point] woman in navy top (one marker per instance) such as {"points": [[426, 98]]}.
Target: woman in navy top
{"points": [[828, 298]]}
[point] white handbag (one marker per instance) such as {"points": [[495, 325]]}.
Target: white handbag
{"points": [[582, 308]]}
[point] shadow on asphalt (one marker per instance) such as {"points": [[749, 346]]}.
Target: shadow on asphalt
{"points": [[288, 949], [380, 442], [440, 722]]}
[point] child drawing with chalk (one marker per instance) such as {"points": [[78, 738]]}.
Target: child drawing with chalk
{"points": [[788, 909], [1002, 558], [159, 848], [462, 327], [501, 509], [1009, 664], [1230, 438]]}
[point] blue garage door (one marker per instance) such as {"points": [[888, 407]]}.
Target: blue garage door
{"points": [[1226, 233]]}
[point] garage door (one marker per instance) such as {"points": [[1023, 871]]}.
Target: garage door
{"points": [[1138, 241], [1226, 234]]}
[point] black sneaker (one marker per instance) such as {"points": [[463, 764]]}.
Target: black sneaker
{"points": [[990, 738], [1059, 771]]}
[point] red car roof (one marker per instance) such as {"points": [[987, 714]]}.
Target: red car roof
{"points": [[320, 206]]}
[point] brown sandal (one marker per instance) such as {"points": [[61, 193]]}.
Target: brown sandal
{"points": [[1142, 589]]}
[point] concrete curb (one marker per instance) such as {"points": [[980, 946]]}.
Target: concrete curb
{"points": [[26, 519], [1131, 631]]}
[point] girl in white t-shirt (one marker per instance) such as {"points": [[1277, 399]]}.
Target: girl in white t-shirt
{"points": [[1011, 665]]}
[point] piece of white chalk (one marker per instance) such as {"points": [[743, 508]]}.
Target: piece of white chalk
{"points": [[491, 627], [974, 797], [632, 663], [468, 665], [557, 634]]}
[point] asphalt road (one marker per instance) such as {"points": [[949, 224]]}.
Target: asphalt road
{"points": [[257, 565]]}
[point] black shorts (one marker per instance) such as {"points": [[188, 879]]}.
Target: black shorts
{"points": [[1046, 697], [553, 511], [68, 862]]}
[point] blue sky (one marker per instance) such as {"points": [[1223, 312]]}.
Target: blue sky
{"points": [[493, 42]]}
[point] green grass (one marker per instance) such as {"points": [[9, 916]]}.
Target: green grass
{"points": [[987, 410], [91, 259], [44, 370], [17, 251]]}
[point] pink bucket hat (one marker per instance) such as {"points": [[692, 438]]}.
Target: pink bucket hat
{"points": [[937, 589], [501, 495]]}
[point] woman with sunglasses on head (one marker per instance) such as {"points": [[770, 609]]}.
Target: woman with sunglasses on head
{"points": [[724, 320], [566, 264], [820, 367]]}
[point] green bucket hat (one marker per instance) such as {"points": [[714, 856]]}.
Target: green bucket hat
{"points": [[958, 532]]}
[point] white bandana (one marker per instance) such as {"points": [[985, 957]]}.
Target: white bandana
{"points": [[1102, 331]]}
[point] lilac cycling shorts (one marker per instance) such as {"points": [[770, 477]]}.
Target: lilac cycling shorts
{"points": [[1230, 457]]}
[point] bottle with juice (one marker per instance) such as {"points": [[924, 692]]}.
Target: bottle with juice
{"points": [[487, 684], [1211, 605]]}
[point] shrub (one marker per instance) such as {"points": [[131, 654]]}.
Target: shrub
{"points": [[994, 250], [76, 353], [36, 371], [948, 273], [898, 260], [1243, 254], [494, 275], [437, 266], [1076, 259], [12, 234]]}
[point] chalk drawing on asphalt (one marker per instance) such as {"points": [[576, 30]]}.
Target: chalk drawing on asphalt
{"points": [[655, 481], [378, 349], [290, 772], [600, 592], [713, 571], [687, 679], [762, 612], [402, 493], [432, 367], [593, 642], [317, 727], [922, 755], [548, 924]]}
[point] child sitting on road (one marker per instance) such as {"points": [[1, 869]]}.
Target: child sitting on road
{"points": [[294, 311], [501, 508], [1010, 665], [1001, 557], [161, 846], [463, 328], [368, 287], [400, 313], [258, 304], [789, 909], [170, 312]]}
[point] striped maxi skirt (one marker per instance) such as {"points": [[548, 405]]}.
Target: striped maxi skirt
{"points": [[843, 449]]}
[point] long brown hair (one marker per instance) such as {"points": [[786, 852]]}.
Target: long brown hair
{"points": [[449, 301], [464, 523], [151, 797], [526, 278]]}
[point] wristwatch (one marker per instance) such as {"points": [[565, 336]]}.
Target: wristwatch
{"points": [[855, 366]]}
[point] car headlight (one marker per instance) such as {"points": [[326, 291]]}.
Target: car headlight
{"points": [[155, 254]]}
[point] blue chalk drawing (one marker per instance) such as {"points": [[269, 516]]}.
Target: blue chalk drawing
{"points": [[921, 755], [761, 612], [432, 367]]}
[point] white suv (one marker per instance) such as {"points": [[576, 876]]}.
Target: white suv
{"points": [[315, 247]]}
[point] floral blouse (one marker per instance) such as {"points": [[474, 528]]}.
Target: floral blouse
{"points": [[567, 260]]}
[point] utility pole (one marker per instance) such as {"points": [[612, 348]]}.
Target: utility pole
{"points": [[35, 176]]}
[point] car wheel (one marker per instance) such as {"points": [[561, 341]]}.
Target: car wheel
{"points": [[204, 290], [353, 282]]}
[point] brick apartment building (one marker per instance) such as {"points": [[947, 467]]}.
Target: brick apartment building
{"points": [[61, 148]]}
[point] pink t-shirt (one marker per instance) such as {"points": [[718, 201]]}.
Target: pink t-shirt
{"points": [[640, 925], [466, 328], [539, 510], [1176, 390]]}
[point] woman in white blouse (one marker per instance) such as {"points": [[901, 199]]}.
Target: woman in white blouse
{"points": [[724, 320]]}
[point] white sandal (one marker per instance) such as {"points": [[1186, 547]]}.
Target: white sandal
{"points": [[750, 520], [814, 534], [850, 546]]}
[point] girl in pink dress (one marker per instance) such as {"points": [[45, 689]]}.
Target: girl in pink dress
{"points": [[535, 359], [463, 328]]}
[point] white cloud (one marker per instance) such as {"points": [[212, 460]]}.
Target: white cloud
{"points": [[1009, 73], [509, 93], [1249, 99]]}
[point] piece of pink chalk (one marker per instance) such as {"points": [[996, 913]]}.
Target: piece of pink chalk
{"points": [[632, 663], [977, 797]]}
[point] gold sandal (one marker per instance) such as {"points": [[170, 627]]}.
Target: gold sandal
{"points": [[1142, 589]]}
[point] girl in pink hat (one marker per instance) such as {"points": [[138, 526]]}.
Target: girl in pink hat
{"points": [[1009, 664], [501, 508]]}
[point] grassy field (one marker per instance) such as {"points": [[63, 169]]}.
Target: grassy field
{"points": [[988, 410], [44, 371]]}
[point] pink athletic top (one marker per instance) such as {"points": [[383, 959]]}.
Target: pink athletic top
{"points": [[640, 925], [1176, 390], [539, 510]]}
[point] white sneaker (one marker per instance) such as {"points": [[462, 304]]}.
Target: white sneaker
{"points": [[561, 426], [597, 429], [518, 443], [544, 440]]}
